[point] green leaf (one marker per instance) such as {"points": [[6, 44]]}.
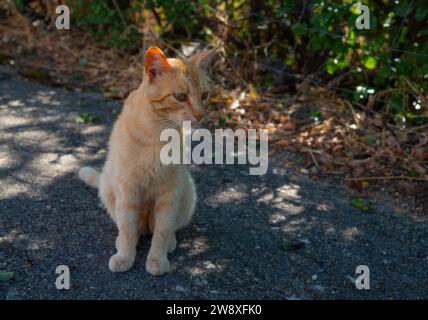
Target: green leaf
{"points": [[113, 90], [421, 13], [423, 33], [361, 204], [351, 37], [316, 115], [20, 4], [415, 174], [221, 121], [279, 106], [370, 140], [299, 161], [77, 76], [316, 43], [292, 246], [83, 62], [370, 63], [395, 103], [402, 9], [330, 66], [5, 276], [299, 29], [86, 118]]}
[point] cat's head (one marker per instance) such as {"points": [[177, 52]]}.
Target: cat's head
{"points": [[176, 88]]}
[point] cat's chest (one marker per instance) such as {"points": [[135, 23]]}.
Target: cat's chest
{"points": [[154, 180], [148, 161], [150, 168], [143, 166]]}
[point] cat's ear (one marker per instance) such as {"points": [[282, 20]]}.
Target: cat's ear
{"points": [[155, 63], [204, 59]]}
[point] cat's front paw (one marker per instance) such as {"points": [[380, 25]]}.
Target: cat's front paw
{"points": [[157, 266], [120, 263]]}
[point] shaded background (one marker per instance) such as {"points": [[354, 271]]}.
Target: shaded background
{"points": [[350, 104]]}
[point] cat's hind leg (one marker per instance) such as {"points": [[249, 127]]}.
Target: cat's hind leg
{"points": [[187, 202], [186, 208], [107, 196]]}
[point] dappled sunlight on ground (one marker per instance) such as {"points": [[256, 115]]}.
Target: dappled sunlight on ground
{"points": [[198, 246], [350, 233], [252, 237], [226, 196]]}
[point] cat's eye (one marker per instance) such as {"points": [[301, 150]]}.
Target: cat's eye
{"points": [[180, 96], [204, 95]]}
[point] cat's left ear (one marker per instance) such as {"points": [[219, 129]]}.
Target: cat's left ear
{"points": [[155, 63], [204, 59]]}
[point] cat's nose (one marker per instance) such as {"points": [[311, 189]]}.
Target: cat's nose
{"points": [[198, 115]]}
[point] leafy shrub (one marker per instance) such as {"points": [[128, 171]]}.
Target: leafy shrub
{"points": [[295, 38]]}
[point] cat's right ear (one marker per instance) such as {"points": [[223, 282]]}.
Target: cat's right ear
{"points": [[204, 59], [155, 63]]}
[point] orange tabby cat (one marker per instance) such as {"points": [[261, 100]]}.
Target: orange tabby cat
{"points": [[141, 194]]}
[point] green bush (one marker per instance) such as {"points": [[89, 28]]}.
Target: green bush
{"points": [[299, 38]]}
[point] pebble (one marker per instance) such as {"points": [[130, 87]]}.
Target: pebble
{"points": [[304, 171], [33, 246], [16, 103], [180, 288], [209, 265], [314, 277], [305, 241], [279, 171]]}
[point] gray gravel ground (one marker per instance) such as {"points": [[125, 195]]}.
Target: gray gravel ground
{"points": [[230, 251]]}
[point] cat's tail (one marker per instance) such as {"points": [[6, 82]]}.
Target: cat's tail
{"points": [[90, 176]]}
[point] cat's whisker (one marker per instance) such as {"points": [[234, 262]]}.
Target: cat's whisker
{"points": [[167, 122]]}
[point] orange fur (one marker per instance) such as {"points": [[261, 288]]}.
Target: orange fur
{"points": [[141, 194]]}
